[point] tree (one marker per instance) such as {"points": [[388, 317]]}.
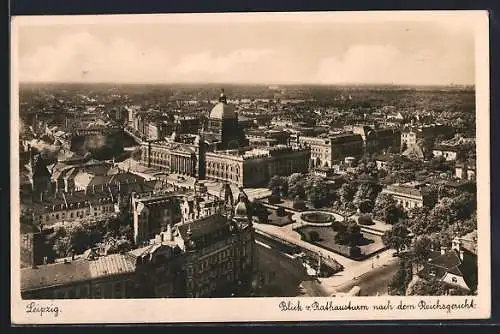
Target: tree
{"points": [[348, 234], [259, 211], [274, 199], [429, 288], [62, 246], [347, 192], [280, 212], [79, 237], [439, 164], [339, 226], [399, 282], [400, 162], [387, 210], [397, 237], [365, 220], [127, 232], [422, 249], [316, 191], [418, 221], [366, 206], [400, 176], [296, 186], [276, 184]]}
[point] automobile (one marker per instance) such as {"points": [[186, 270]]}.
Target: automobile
{"points": [[395, 254]]}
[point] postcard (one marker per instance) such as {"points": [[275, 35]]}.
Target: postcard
{"points": [[250, 167]]}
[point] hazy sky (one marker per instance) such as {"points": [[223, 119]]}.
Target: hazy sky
{"points": [[300, 49]]}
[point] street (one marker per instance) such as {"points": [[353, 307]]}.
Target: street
{"points": [[283, 276], [373, 282]]}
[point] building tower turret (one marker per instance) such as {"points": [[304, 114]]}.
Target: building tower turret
{"points": [[242, 211]]}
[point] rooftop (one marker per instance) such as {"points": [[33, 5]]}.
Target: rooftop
{"points": [[203, 226], [450, 262], [78, 270], [403, 189]]}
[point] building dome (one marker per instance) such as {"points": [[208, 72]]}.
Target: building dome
{"points": [[222, 110], [241, 209]]}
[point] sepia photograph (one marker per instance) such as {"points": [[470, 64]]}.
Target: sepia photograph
{"points": [[251, 167]]}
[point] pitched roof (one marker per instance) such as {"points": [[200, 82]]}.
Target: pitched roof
{"points": [[443, 147], [78, 270], [344, 138], [203, 226], [450, 262]]}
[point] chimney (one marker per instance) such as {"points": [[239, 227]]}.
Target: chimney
{"points": [[461, 252], [443, 250]]}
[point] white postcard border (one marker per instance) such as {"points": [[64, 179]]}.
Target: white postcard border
{"points": [[266, 309]]}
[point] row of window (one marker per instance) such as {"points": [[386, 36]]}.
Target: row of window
{"points": [[222, 166], [103, 290], [214, 246], [215, 259], [230, 176], [408, 204], [76, 214], [206, 286]]}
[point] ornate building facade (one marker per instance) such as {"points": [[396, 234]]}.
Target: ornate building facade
{"points": [[221, 152], [325, 152], [209, 253]]}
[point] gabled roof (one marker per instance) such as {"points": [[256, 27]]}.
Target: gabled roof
{"points": [[450, 262]]}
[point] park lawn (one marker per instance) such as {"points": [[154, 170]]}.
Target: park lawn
{"points": [[327, 240], [274, 219]]}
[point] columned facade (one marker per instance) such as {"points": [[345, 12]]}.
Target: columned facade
{"points": [[161, 155]]}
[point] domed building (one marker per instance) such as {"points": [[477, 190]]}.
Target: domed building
{"points": [[223, 123], [220, 152]]}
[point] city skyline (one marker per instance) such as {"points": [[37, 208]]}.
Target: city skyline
{"points": [[236, 49]]}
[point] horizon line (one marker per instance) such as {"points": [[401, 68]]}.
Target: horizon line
{"points": [[243, 83]]}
